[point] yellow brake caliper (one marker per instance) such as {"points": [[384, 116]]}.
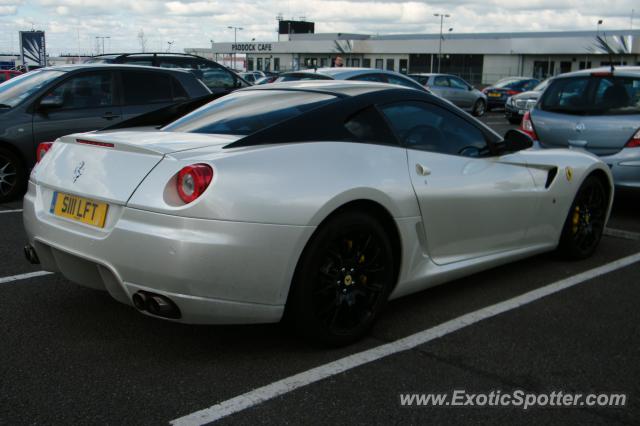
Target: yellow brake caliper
{"points": [[576, 219]]}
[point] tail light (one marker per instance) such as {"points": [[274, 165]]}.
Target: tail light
{"points": [[193, 180], [512, 92], [634, 142], [527, 126], [43, 147]]}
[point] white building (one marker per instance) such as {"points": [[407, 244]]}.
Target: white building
{"points": [[479, 58]]}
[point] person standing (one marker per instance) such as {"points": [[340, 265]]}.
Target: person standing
{"points": [[338, 62]]}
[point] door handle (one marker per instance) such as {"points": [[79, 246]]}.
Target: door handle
{"points": [[109, 116], [422, 170]]}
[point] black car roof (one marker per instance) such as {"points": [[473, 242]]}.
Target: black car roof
{"points": [[325, 122]]}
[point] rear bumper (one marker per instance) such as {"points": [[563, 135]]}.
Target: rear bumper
{"points": [[216, 272]]}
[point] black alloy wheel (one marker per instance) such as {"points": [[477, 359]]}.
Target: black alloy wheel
{"points": [[343, 280], [585, 222], [12, 176]]}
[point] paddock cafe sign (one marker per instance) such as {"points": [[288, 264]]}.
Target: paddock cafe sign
{"points": [[251, 47]]}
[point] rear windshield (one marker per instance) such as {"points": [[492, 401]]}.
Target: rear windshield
{"points": [[516, 84], [302, 76], [592, 95], [244, 113]]}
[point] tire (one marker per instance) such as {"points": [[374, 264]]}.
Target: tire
{"points": [[13, 176], [479, 108], [514, 120], [585, 222], [342, 280]]}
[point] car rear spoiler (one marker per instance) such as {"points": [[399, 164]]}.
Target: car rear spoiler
{"points": [[163, 116]]}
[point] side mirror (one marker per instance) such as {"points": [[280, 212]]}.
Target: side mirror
{"points": [[50, 102], [516, 140]]}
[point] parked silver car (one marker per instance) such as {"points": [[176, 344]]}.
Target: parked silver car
{"points": [[455, 90], [596, 110]]}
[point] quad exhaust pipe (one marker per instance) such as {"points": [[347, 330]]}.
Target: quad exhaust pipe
{"points": [[155, 304], [31, 255]]}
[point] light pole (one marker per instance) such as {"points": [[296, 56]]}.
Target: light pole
{"points": [[235, 41], [600, 21], [441, 16], [211, 41], [102, 37]]}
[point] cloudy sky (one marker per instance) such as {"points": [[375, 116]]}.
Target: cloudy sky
{"points": [[73, 25]]}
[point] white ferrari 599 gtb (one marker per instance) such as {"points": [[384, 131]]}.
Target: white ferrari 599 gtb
{"points": [[312, 201]]}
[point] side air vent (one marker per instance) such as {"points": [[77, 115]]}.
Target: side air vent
{"points": [[551, 176]]}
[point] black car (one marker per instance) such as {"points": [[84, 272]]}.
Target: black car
{"points": [[517, 105], [40, 106], [215, 76], [498, 94]]}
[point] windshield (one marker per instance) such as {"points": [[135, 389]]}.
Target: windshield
{"points": [[590, 95], [14, 91], [516, 84], [244, 113], [540, 87]]}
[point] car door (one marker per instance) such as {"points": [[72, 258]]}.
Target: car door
{"points": [[472, 204], [461, 94], [86, 101], [148, 90], [441, 87]]}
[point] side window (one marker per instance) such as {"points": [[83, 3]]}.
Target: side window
{"points": [[456, 83], [419, 125], [380, 78], [146, 87], [441, 81], [368, 126], [402, 81], [91, 90], [179, 94], [422, 79], [218, 78]]}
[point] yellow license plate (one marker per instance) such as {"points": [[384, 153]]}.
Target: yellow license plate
{"points": [[81, 209], [494, 95]]}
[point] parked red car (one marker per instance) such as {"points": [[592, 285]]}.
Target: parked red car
{"points": [[7, 74]]}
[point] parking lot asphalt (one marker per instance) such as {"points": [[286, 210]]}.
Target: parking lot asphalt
{"points": [[73, 355]]}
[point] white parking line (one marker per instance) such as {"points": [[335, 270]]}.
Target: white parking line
{"points": [[11, 211], [4, 280], [621, 233], [281, 387]]}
